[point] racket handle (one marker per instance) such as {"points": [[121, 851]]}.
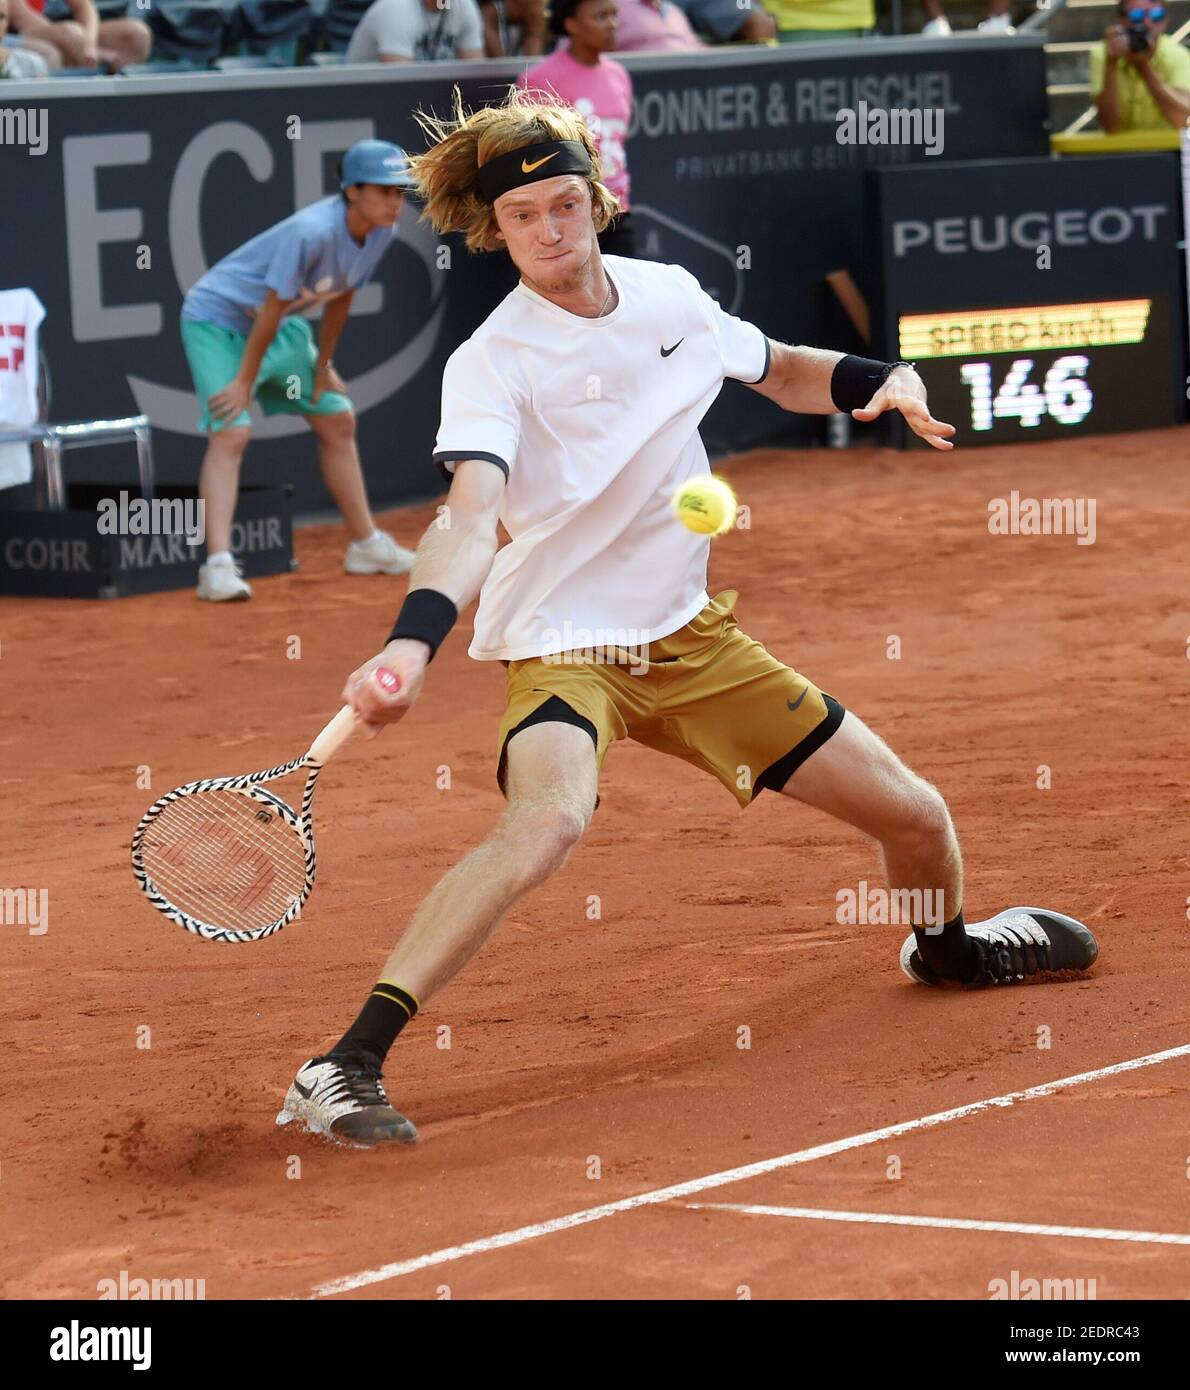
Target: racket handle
{"points": [[342, 726], [333, 737]]}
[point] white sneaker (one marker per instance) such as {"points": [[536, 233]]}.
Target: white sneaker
{"points": [[997, 24], [938, 28], [221, 582], [342, 1097], [379, 554]]}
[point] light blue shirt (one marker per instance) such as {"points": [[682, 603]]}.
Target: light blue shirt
{"points": [[310, 257]]}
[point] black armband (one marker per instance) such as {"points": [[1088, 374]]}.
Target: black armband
{"points": [[856, 380], [427, 615]]}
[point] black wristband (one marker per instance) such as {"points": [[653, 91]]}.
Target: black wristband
{"points": [[856, 380], [427, 615]]}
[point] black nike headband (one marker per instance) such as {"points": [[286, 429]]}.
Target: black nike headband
{"points": [[532, 164]]}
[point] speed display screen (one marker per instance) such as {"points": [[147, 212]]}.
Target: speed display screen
{"points": [[1039, 299], [1043, 371]]}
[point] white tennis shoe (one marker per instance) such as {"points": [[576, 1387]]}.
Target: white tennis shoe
{"points": [[342, 1096], [379, 554], [220, 581]]}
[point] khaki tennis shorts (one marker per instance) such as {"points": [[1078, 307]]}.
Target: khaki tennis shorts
{"points": [[707, 693]]}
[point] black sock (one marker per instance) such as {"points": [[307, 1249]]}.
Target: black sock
{"points": [[386, 1011], [949, 953]]}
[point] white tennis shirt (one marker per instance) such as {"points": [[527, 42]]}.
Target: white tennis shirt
{"points": [[595, 425]]}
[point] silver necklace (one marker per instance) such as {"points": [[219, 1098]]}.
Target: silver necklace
{"points": [[607, 301]]}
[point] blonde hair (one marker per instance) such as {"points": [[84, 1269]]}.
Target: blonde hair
{"points": [[448, 173]]}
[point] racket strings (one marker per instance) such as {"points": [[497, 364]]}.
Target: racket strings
{"points": [[227, 859]]}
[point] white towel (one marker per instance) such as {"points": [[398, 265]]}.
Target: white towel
{"points": [[21, 313]]}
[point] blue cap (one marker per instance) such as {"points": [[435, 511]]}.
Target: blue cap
{"points": [[377, 161]]}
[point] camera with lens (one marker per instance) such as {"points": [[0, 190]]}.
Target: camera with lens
{"points": [[1138, 38]]}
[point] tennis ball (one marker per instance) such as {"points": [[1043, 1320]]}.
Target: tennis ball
{"points": [[706, 505]]}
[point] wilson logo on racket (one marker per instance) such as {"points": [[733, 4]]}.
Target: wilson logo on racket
{"points": [[227, 859]]}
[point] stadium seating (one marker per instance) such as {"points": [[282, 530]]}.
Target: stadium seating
{"points": [[195, 31], [56, 10], [276, 29], [198, 33], [339, 22], [160, 68]]}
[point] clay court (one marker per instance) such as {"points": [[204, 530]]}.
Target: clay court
{"points": [[595, 1109]]}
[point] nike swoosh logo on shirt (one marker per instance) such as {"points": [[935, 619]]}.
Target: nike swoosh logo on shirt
{"points": [[666, 351], [793, 704], [527, 168]]}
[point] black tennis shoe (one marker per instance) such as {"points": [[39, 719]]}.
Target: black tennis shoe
{"points": [[341, 1095], [1015, 945]]}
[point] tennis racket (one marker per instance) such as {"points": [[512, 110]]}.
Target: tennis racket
{"points": [[226, 858]]}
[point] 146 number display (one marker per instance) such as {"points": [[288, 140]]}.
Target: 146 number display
{"points": [[1064, 395]]}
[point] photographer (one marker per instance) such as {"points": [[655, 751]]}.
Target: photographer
{"points": [[1140, 78]]}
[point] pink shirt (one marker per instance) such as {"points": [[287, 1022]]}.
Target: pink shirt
{"points": [[649, 28], [603, 97]]}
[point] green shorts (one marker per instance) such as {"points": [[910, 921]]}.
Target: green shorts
{"points": [[284, 384]]}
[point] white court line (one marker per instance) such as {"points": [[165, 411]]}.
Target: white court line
{"points": [[751, 1170], [947, 1223]]}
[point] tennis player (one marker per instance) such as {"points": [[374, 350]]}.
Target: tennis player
{"points": [[244, 336], [571, 416]]}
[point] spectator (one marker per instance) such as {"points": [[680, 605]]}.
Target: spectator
{"points": [[937, 26], [654, 26], [47, 52], [799, 21], [82, 41], [417, 31], [600, 89], [514, 28], [730, 21], [18, 62], [1146, 83]]}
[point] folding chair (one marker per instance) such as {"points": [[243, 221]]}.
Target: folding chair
{"points": [[50, 441]]}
